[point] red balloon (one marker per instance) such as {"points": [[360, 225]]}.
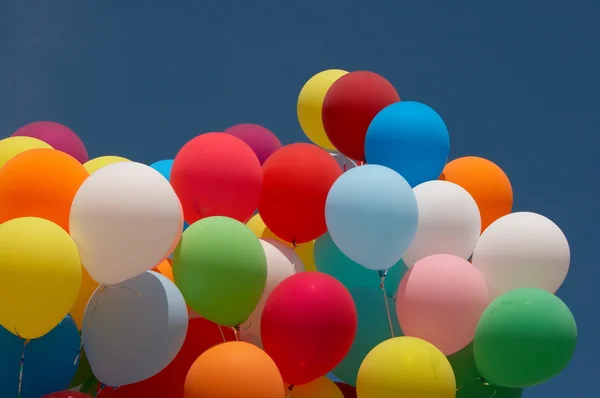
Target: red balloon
{"points": [[350, 105], [202, 334], [347, 390], [217, 174], [296, 181], [308, 326], [67, 394]]}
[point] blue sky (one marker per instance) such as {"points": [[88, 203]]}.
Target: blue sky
{"points": [[516, 82]]}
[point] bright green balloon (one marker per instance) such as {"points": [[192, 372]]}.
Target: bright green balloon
{"points": [[221, 269], [524, 337], [469, 382]]}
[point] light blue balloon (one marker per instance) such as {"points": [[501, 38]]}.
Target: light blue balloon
{"points": [[330, 260], [49, 362], [410, 138], [133, 330], [372, 215], [373, 328], [332, 377], [163, 167]]}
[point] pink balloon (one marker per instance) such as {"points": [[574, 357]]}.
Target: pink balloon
{"points": [[440, 300], [262, 141], [58, 136], [67, 394]]}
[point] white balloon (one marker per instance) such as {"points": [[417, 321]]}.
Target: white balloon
{"points": [[125, 219], [344, 162], [522, 250], [449, 222], [282, 262]]}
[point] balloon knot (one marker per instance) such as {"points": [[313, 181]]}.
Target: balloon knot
{"points": [[291, 387], [294, 245]]}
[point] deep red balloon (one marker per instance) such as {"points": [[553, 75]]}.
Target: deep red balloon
{"points": [[217, 174], [347, 390], [67, 394], [202, 334], [308, 325], [296, 181], [350, 105]]}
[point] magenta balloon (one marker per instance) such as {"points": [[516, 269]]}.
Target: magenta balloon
{"points": [[58, 136], [262, 141]]}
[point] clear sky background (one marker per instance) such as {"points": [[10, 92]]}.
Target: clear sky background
{"points": [[516, 82]]}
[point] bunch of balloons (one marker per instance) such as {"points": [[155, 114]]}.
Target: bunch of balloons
{"points": [[366, 265]]}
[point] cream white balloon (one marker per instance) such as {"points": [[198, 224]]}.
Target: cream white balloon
{"points": [[522, 250], [449, 222], [125, 219], [282, 262]]}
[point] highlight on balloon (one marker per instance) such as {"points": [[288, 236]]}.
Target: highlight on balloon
{"points": [[363, 264]]}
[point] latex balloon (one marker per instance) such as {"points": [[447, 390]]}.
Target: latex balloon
{"points": [[164, 167], [88, 287], [221, 269], [235, 369], [344, 163], [40, 276], [347, 390], [410, 138], [165, 269], [405, 366], [332, 261], [372, 216], [440, 300], [303, 251], [12, 146], [135, 329], [487, 184], [58, 136], [524, 338], [84, 371], [449, 222], [168, 383], [114, 248], [67, 394], [349, 107], [319, 388], [48, 363], [262, 141], [373, 328], [297, 179], [522, 250], [40, 183], [310, 105], [308, 325], [217, 174], [279, 267], [97, 163], [469, 382]]}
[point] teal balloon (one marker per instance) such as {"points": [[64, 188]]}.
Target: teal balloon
{"points": [[330, 260], [364, 286]]}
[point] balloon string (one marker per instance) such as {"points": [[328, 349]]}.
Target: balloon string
{"points": [[290, 388], [104, 287], [78, 353], [20, 385], [222, 334], [236, 332], [382, 275]]}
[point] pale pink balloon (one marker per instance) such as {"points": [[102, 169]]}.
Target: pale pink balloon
{"points": [[440, 300]]}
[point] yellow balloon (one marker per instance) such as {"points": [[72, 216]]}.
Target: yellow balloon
{"points": [[40, 276], [405, 367], [320, 388], [305, 251], [310, 106], [12, 146], [88, 287], [98, 163]]}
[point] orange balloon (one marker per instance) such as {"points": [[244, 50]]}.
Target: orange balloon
{"points": [[88, 287], [234, 369], [40, 183], [165, 269], [487, 184]]}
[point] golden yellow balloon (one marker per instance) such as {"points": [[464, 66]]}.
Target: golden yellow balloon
{"points": [[98, 163], [320, 388], [305, 251], [405, 367], [310, 106], [40, 276], [12, 146], [88, 287]]}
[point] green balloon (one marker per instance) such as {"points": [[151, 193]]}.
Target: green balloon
{"points": [[83, 373], [524, 337], [470, 383], [221, 269]]}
